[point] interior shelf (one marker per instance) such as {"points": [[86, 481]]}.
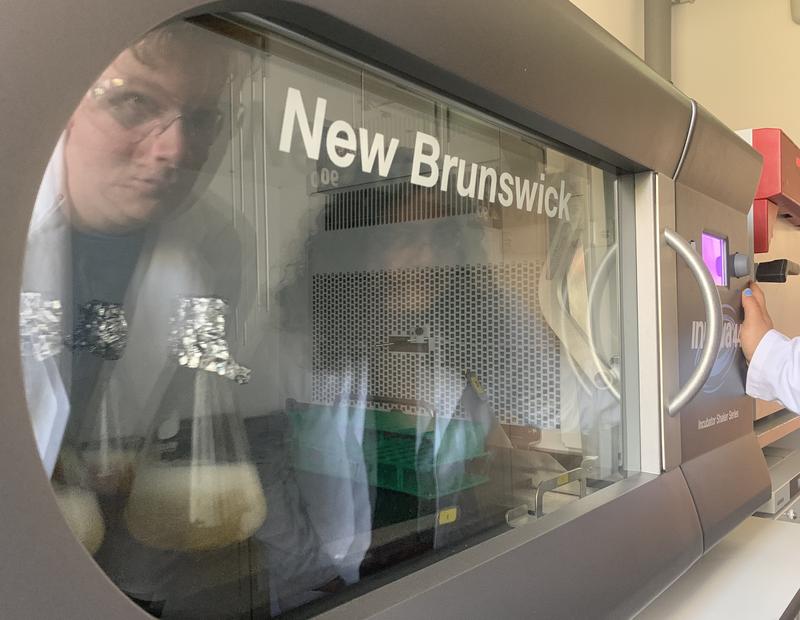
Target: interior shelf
{"points": [[766, 407], [771, 428]]}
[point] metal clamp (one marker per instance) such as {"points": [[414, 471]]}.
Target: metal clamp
{"points": [[579, 474], [713, 307]]}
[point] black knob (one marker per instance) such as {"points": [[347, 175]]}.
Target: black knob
{"points": [[776, 270]]}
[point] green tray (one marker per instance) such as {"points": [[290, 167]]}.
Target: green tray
{"points": [[394, 451]]}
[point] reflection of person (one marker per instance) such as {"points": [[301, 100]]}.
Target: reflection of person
{"points": [[129, 156], [117, 219], [774, 371]]}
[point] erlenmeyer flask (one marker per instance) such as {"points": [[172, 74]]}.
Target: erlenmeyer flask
{"points": [[195, 487], [92, 467], [102, 330], [108, 453]]}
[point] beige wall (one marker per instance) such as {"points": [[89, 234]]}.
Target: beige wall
{"points": [[622, 18], [739, 59]]}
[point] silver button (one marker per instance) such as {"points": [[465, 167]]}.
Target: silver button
{"points": [[742, 265]]}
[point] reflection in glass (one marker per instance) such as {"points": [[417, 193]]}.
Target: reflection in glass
{"points": [[195, 487], [431, 361], [77, 502], [99, 340]]}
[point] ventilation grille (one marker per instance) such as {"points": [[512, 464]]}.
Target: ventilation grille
{"points": [[395, 202]]}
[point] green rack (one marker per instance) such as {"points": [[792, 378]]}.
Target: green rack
{"points": [[389, 449]]}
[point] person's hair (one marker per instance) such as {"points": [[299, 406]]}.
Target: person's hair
{"points": [[175, 40], [162, 40]]}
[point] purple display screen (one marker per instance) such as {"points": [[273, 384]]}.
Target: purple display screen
{"points": [[715, 256]]}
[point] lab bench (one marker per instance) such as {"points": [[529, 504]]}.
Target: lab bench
{"points": [[752, 573]]}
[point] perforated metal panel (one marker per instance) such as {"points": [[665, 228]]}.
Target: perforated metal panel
{"points": [[483, 318]]}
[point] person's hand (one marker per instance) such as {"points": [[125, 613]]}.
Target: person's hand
{"points": [[756, 319]]}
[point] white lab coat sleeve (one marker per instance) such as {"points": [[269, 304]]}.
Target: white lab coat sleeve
{"points": [[47, 270], [48, 405], [774, 372]]}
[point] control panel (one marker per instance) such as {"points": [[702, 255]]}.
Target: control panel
{"points": [[720, 263]]}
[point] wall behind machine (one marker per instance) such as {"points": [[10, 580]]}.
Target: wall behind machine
{"points": [[624, 19], [735, 57], [738, 58]]}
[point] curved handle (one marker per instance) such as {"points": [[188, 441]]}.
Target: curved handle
{"points": [[708, 290], [607, 375]]}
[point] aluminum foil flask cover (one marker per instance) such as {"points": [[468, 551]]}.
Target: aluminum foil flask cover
{"points": [[195, 486]]}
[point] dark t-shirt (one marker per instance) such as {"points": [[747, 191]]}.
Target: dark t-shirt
{"points": [[102, 268]]}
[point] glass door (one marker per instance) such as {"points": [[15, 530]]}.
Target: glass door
{"points": [[290, 322]]}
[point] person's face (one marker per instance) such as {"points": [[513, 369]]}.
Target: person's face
{"points": [[137, 140]]}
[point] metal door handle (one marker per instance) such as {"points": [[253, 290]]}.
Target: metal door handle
{"points": [[713, 307]]}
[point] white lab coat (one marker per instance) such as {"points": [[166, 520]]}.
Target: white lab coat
{"points": [[170, 264], [774, 372]]}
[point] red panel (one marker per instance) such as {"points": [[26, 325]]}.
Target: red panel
{"points": [[768, 143], [764, 215], [780, 175], [790, 176]]}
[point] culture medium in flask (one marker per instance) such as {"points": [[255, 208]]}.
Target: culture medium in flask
{"points": [[195, 486], [78, 503]]}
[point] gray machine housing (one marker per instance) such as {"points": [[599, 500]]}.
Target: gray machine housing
{"points": [[541, 65]]}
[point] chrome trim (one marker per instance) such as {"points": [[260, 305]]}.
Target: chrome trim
{"points": [[689, 135], [734, 182], [659, 441], [627, 270], [713, 308]]}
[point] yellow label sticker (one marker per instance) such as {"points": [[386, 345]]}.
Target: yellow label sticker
{"points": [[448, 515], [476, 385], [563, 479]]}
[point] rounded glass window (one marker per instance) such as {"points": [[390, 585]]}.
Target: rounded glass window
{"points": [[288, 322]]}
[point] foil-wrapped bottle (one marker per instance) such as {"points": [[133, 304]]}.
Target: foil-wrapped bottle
{"points": [[195, 486]]}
